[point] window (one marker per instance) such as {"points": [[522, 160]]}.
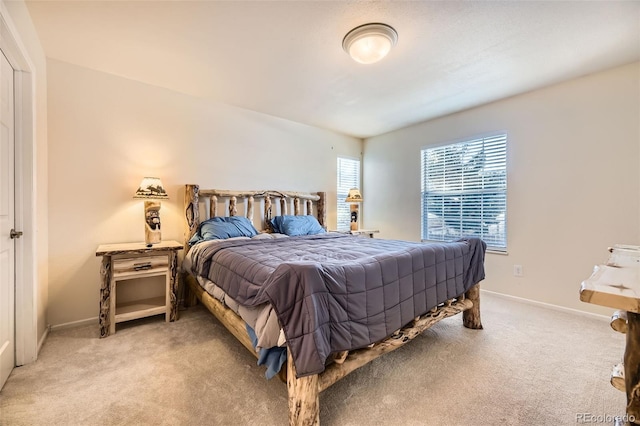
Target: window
{"points": [[348, 177], [464, 191]]}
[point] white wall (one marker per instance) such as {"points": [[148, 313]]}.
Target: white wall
{"points": [[107, 132], [20, 17], [573, 180]]}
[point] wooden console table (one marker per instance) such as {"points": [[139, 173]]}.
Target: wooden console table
{"points": [[617, 285]]}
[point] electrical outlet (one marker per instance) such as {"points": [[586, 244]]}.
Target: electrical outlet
{"points": [[517, 271]]}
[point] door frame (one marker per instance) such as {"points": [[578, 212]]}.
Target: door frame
{"points": [[26, 294]]}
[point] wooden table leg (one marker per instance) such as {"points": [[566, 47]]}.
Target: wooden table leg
{"points": [[632, 367], [105, 299]]}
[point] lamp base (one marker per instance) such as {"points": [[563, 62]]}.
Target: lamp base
{"points": [[354, 217], [152, 234]]}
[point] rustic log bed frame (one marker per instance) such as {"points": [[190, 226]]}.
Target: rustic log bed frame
{"points": [[303, 392]]}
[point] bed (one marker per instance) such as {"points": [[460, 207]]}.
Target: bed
{"points": [[338, 301]]}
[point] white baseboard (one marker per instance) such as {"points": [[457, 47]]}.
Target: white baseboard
{"points": [[73, 324], [94, 320], [42, 339], [547, 305]]}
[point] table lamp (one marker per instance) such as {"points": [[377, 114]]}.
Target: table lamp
{"points": [[355, 198], [151, 189]]}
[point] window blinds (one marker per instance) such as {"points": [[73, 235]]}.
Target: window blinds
{"points": [[464, 191], [348, 177]]}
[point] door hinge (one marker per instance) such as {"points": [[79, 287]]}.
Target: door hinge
{"points": [[15, 234]]}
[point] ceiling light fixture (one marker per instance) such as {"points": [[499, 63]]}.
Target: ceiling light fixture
{"points": [[369, 43]]}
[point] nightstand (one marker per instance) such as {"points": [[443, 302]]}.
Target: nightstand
{"points": [[121, 262], [365, 232]]}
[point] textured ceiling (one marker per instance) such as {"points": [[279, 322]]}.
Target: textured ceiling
{"points": [[285, 58]]}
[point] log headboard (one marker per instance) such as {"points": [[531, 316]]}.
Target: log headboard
{"points": [[271, 203]]}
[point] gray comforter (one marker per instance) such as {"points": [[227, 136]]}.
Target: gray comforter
{"points": [[335, 292]]}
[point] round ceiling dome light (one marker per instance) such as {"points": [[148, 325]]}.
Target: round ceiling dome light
{"points": [[369, 43]]}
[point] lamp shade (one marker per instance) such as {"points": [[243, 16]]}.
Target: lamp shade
{"points": [[354, 196], [369, 43], [151, 188]]}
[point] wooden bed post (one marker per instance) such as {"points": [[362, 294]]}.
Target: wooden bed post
{"points": [[192, 214], [471, 317], [322, 209], [304, 401]]}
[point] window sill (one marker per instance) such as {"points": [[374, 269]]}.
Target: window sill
{"points": [[489, 250], [500, 252]]}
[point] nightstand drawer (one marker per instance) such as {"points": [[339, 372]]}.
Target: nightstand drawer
{"points": [[140, 265]]}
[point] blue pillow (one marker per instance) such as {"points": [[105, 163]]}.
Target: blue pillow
{"points": [[222, 228], [297, 225], [275, 224]]}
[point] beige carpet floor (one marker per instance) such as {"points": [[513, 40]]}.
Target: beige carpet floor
{"points": [[529, 366]]}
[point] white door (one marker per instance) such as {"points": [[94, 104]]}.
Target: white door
{"points": [[7, 241]]}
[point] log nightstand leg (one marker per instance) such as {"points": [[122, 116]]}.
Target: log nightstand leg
{"points": [[173, 287], [105, 299]]}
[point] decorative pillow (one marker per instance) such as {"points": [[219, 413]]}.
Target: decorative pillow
{"points": [[222, 228], [296, 225]]}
